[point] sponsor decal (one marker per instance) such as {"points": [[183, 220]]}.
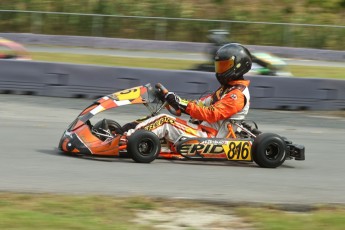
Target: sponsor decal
{"points": [[213, 142], [157, 123], [234, 150], [199, 149]]}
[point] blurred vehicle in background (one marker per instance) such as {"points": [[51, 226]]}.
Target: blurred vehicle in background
{"points": [[268, 64], [13, 50], [263, 63]]}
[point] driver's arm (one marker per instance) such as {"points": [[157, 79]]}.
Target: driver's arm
{"points": [[231, 104]]}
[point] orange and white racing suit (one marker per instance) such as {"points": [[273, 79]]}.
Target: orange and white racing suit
{"points": [[229, 101]]}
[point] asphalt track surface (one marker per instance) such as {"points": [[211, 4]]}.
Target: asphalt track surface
{"points": [[31, 127]]}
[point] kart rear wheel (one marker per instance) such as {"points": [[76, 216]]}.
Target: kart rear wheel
{"points": [[269, 150], [143, 146]]}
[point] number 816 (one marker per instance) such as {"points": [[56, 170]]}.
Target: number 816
{"points": [[238, 150]]}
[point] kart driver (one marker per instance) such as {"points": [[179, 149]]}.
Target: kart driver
{"points": [[230, 100]]}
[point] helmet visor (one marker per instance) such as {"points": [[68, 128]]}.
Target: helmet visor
{"points": [[224, 65]]}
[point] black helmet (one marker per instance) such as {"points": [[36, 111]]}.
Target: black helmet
{"points": [[232, 61]]}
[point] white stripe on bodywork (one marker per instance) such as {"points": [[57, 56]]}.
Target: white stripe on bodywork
{"points": [[124, 102], [97, 110]]}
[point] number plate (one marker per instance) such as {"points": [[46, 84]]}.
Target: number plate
{"points": [[238, 150], [128, 94]]}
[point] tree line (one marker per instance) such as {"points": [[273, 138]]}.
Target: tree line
{"points": [[330, 12]]}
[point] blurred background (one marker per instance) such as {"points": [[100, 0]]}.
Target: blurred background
{"points": [[304, 23], [287, 39]]}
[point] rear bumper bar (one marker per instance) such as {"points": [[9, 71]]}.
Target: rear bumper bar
{"points": [[296, 151]]}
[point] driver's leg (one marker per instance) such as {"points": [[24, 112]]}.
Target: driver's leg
{"points": [[133, 124], [169, 127]]}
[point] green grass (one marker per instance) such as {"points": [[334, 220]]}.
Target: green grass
{"points": [[37, 211], [157, 63], [49, 211], [318, 71], [173, 64], [273, 219]]}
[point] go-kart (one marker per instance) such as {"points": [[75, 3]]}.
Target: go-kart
{"points": [[107, 138], [13, 50]]}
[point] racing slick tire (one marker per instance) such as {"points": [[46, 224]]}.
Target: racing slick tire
{"points": [[269, 150], [143, 146]]}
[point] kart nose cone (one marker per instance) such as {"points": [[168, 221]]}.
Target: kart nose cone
{"points": [[70, 143]]}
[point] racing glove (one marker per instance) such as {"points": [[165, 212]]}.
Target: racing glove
{"points": [[176, 102]]}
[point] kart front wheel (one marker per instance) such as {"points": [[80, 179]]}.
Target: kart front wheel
{"points": [[106, 128], [143, 146], [269, 150]]}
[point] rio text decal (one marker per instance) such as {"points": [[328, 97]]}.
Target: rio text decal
{"points": [[234, 150], [194, 149]]}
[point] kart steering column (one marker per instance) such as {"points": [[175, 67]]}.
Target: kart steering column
{"points": [[164, 91]]}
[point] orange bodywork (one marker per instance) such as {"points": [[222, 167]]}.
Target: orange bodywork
{"points": [[79, 138], [97, 146], [94, 145]]}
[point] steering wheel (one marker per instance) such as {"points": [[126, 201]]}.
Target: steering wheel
{"points": [[164, 91]]}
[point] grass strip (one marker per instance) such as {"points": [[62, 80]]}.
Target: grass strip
{"points": [[52, 211], [173, 64]]}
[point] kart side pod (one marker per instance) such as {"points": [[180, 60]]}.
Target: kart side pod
{"points": [[216, 148], [268, 150]]}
